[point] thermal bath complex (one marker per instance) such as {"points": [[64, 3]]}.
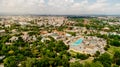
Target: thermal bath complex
{"points": [[88, 44]]}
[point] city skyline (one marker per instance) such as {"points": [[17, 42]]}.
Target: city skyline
{"points": [[60, 7]]}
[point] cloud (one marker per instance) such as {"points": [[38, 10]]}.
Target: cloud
{"points": [[21, 6], [99, 6], [117, 5], [101, 1], [58, 7]]}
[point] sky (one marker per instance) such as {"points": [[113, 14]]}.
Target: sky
{"points": [[60, 7]]}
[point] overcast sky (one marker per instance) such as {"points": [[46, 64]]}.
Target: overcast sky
{"points": [[60, 7]]}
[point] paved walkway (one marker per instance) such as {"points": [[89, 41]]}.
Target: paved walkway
{"points": [[1, 65]]}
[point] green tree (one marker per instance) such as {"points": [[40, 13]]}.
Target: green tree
{"points": [[97, 54], [82, 56], [104, 59], [10, 62], [116, 58], [115, 43]]}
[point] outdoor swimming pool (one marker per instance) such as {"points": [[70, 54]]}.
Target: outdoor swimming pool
{"points": [[78, 42]]}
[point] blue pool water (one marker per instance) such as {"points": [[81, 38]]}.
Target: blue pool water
{"points": [[78, 42]]}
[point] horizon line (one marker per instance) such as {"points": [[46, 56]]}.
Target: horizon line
{"points": [[59, 14]]}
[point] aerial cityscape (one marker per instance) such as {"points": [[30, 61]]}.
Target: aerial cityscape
{"points": [[59, 33]]}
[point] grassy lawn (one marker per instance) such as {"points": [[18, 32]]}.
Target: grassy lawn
{"points": [[89, 60], [112, 50]]}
